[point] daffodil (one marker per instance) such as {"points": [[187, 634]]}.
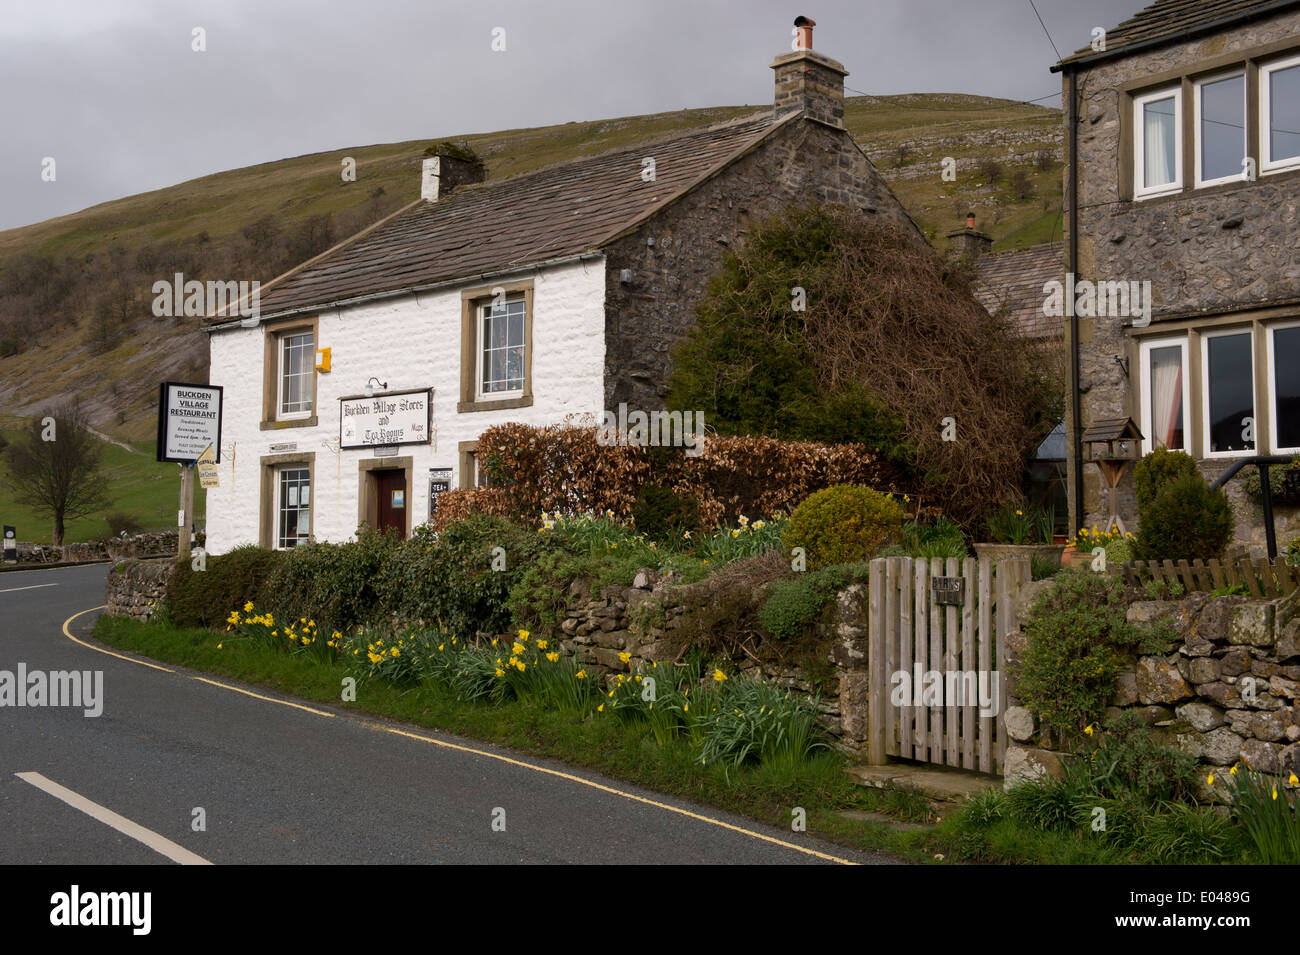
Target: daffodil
{"points": [[541, 644], [719, 676], [601, 708], [219, 647], [500, 672], [1210, 779], [517, 649], [523, 634], [248, 606], [1292, 780], [581, 674], [625, 657], [553, 657]]}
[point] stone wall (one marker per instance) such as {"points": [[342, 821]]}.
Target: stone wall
{"points": [[1208, 251], [113, 548], [1228, 692], [650, 621], [673, 254], [135, 588]]}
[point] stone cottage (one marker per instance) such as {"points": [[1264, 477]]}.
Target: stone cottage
{"points": [[361, 387], [1183, 178]]}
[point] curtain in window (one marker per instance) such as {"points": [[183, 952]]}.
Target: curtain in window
{"points": [[1158, 142], [1167, 398]]}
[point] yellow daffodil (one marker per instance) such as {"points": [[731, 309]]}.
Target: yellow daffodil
{"points": [[719, 676], [1292, 780], [1274, 792], [686, 707], [735, 533], [541, 644], [500, 672], [601, 708], [553, 657], [396, 651], [1210, 779], [440, 646], [1087, 730], [581, 674], [625, 656], [520, 665], [523, 634], [517, 649], [218, 646], [248, 606]]}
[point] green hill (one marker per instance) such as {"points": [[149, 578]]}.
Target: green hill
{"points": [[74, 291]]}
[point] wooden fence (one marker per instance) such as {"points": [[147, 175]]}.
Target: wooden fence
{"points": [[913, 634], [1260, 577]]}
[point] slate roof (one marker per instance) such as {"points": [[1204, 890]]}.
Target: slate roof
{"points": [[1015, 279], [1174, 20], [561, 210]]}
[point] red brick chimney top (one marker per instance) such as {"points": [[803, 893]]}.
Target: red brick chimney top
{"points": [[803, 34]]}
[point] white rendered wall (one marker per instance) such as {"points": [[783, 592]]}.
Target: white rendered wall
{"points": [[410, 342]]}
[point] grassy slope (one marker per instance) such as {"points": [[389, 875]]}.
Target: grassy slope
{"points": [[120, 387], [140, 486]]}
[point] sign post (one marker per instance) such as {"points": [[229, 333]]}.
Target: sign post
{"points": [[11, 544], [189, 432]]}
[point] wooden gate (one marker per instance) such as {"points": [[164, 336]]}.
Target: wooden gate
{"points": [[953, 630]]}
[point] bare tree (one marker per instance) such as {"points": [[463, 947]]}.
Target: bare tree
{"points": [[54, 466]]}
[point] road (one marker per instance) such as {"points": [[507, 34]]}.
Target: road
{"points": [[279, 780]]}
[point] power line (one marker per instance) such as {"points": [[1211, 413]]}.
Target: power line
{"points": [[1045, 31]]}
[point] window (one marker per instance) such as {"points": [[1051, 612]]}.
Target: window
{"points": [[296, 375], [472, 473], [1279, 106], [500, 349], [1164, 390], [1159, 148], [293, 507], [1220, 129], [289, 374], [1284, 387], [496, 347], [1228, 370]]}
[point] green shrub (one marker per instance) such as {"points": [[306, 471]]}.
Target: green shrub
{"points": [[758, 721], [1156, 470], [1268, 808], [1186, 520], [663, 515], [843, 524], [457, 581], [793, 604], [1128, 762], [1119, 552], [335, 584], [1076, 635], [944, 538], [1021, 523], [205, 598]]}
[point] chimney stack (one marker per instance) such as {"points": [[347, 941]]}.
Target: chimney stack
{"points": [[969, 241], [446, 168], [808, 81]]}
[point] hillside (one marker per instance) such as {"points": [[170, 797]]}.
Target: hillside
{"points": [[75, 290]]}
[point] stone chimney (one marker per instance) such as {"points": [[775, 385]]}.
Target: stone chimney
{"points": [[969, 241], [809, 81], [445, 169]]}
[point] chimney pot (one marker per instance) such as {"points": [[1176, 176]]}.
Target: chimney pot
{"points": [[970, 220], [803, 33], [809, 81]]}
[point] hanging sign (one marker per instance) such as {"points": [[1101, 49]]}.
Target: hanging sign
{"points": [[189, 421], [392, 419]]}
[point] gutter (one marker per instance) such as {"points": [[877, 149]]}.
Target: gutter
{"points": [[1212, 27], [1072, 268], [409, 290]]}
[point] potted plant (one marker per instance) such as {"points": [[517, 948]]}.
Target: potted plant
{"points": [[1118, 547], [1020, 530]]}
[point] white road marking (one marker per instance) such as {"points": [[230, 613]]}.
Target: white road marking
{"points": [[32, 587], [160, 844]]}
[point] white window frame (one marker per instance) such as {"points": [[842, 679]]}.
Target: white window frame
{"points": [[1197, 87], [279, 472], [1140, 190], [479, 393], [1204, 385], [1272, 389], [1144, 377], [280, 340], [1267, 166]]}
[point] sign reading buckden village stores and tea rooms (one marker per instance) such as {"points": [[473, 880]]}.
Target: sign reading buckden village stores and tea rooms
{"points": [[392, 419]]}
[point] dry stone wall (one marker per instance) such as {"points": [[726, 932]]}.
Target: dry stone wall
{"points": [[136, 588]]}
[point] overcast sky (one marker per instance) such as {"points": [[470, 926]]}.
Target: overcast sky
{"points": [[114, 92]]}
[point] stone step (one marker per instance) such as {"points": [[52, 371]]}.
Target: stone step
{"points": [[936, 783]]}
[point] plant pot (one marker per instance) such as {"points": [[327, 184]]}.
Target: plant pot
{"points": [[997, 552]]}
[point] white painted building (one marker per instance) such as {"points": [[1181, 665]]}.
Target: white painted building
{"points": [[550, 294]]}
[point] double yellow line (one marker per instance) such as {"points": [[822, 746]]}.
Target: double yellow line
{"points": [[382, 728]]}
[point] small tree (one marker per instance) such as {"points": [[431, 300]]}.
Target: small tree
{"points": [[54, 466]]}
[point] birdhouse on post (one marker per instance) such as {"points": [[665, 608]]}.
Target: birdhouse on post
{"points": [[1113, 444]]}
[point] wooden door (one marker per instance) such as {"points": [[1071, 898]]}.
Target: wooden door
{"points": [[391, 486]]}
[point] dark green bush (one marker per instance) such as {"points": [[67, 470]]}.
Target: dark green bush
{"points": [[843, 524], [793, 604], [337, 585], [1158, 469], [1129, 763], [447, 580], [1077, 638], [1186, 520], [205, 598], [663, 515]]}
